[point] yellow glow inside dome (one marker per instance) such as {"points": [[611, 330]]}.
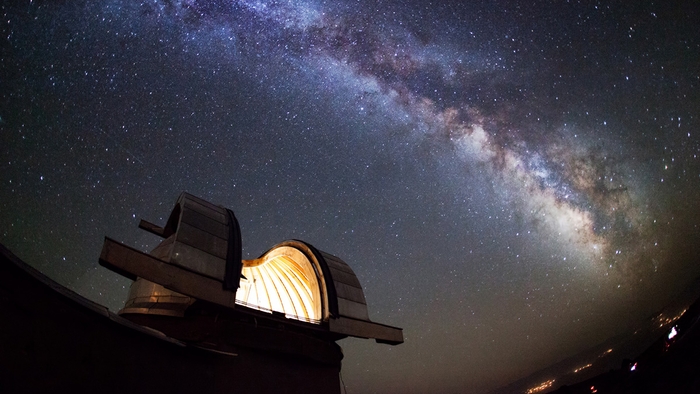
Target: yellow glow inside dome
{"points": [[283, 280]]}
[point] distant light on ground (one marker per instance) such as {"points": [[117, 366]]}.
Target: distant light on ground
{"points": [[673, 333], [541, 387]]}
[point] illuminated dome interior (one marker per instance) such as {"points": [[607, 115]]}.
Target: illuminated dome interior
{"points": [[282, 280]]}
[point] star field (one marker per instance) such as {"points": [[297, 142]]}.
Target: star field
{"points": [[511, 183]]}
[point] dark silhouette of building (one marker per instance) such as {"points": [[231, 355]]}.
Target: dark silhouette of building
{"points": [[198, 318]]}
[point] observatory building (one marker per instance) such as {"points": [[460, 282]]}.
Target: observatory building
{"points": [[197, 317]]}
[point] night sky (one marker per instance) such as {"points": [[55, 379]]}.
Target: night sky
{"points": [[512, 182]]}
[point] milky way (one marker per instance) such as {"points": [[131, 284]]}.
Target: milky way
{"points": [[512, 183], [572, 192]]}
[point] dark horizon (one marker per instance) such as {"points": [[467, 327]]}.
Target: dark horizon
{"points": [[615, 353], [511, 184]]}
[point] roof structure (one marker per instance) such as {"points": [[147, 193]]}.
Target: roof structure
{"points": [[200, 260]]}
